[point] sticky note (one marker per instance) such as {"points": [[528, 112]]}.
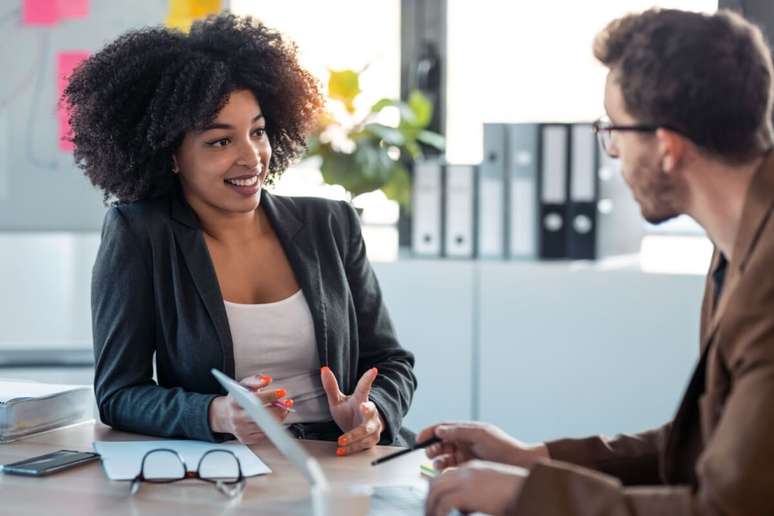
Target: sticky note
{"points": [[40, 12], [203, 8], [182, 13], [73, 8], [66, 63]]}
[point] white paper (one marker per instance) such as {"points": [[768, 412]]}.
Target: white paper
{"points": [[121, 459], [17, 390]]}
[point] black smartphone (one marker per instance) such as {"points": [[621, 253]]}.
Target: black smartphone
{"points": [[49, 463]]}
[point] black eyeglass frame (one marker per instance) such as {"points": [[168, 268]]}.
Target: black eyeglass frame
{"points": [[228, 488], [602, 127]]}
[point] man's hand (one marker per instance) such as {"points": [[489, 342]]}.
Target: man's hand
{"points": [[466, 441], [476, 487]]}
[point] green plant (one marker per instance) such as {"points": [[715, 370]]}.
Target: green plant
{"points": [[363, 154]]}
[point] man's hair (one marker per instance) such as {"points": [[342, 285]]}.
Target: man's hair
{"points": [[708, 77], [133, 101]]}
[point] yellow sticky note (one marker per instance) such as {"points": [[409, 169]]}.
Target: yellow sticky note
{"points": [[203, 8], [182, 13]]}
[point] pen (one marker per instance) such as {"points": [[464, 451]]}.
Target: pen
{"points": [[417, 446], [287, 405]]}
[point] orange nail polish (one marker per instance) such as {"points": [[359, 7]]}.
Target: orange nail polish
{"points": [[265, 379], [342, 441], [280, 393], [289, 403], [340, 452]]}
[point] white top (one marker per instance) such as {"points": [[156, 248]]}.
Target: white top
{"points": [[278, 339]]}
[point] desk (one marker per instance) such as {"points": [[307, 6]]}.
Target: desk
{"points": [[86, 490]]}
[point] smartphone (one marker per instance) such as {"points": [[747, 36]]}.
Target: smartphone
{"points": [[49, 463]]}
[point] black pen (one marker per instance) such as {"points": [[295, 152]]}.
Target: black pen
{"points": [[417, 446]]}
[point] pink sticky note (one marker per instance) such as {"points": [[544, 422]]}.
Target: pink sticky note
{"points": [[66, 63], [73, 8], [40, 12]]}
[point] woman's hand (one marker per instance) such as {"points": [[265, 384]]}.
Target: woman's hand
{"points": [[355, 414], [227, 416], [476, 487], [462, 442]]}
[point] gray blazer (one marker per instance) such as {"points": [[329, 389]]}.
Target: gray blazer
{"points": [[154, 291]]}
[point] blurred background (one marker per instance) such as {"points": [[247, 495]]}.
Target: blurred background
{"points": [[543, 344]]}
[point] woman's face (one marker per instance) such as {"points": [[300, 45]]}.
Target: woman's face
{"points": [[224, 165]]}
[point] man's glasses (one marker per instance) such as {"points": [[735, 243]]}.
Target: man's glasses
{"points": [[604, 130], [219, 467]]}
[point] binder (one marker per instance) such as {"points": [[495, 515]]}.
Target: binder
{"points": [[620, 227], [553, 191], [522, 200], [459, 196], [582, 206], [426, 202], [490, 212]]}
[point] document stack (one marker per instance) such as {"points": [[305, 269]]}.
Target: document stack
{"points": [[28, 408]]}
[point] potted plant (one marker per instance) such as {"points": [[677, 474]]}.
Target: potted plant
{"points": [[372, 151]]}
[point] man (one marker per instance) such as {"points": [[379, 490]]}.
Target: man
{"points": [[689, 98]]}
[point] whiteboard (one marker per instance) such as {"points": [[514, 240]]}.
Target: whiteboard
{"points": [[40, 186]]}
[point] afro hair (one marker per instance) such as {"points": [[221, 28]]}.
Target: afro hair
{"points": [[132, 102]]}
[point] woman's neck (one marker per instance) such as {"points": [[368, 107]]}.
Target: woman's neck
{"points": [[231, 228]]}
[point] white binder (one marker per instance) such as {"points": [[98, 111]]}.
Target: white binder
{"points": [[426, 205], [522, 205], [458, 208], [491, 193]]}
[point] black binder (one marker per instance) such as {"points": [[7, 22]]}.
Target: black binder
{"points": [[582, 206], [554, 189]]}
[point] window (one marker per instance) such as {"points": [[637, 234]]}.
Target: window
{"points": [[527, 62], [532, 61], [342, 34]]}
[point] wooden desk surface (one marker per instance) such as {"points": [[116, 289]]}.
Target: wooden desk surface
{"points": [[86, 490]]}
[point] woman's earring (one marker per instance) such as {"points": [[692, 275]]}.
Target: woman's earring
{"points": [[175, 169]]}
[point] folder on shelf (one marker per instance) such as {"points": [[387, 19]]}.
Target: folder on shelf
{"points": [[620, 227], [459, 203], [553, 191], [522, 199], [582, 206], [427, 217], [490, 231]]}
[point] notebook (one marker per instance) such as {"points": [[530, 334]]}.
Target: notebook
{"points": [[28, 408]]}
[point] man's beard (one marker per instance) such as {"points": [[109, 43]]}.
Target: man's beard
{"points": [[656, 196]]}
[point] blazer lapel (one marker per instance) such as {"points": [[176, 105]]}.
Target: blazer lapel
{"points": [[757, 208], [190, 240], [302, 254]]}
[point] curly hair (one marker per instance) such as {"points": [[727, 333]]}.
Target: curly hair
{"points": [[132, 102], [707, 76]]}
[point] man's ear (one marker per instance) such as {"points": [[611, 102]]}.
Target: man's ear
{"points": [[671, 148]]}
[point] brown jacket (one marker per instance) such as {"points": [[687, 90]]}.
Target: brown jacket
{"points": [[716, 457]]}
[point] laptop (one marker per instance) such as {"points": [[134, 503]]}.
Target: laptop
{"points": [[385, 501]]}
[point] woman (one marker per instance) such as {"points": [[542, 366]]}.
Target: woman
{"points": [[202, 267]]}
